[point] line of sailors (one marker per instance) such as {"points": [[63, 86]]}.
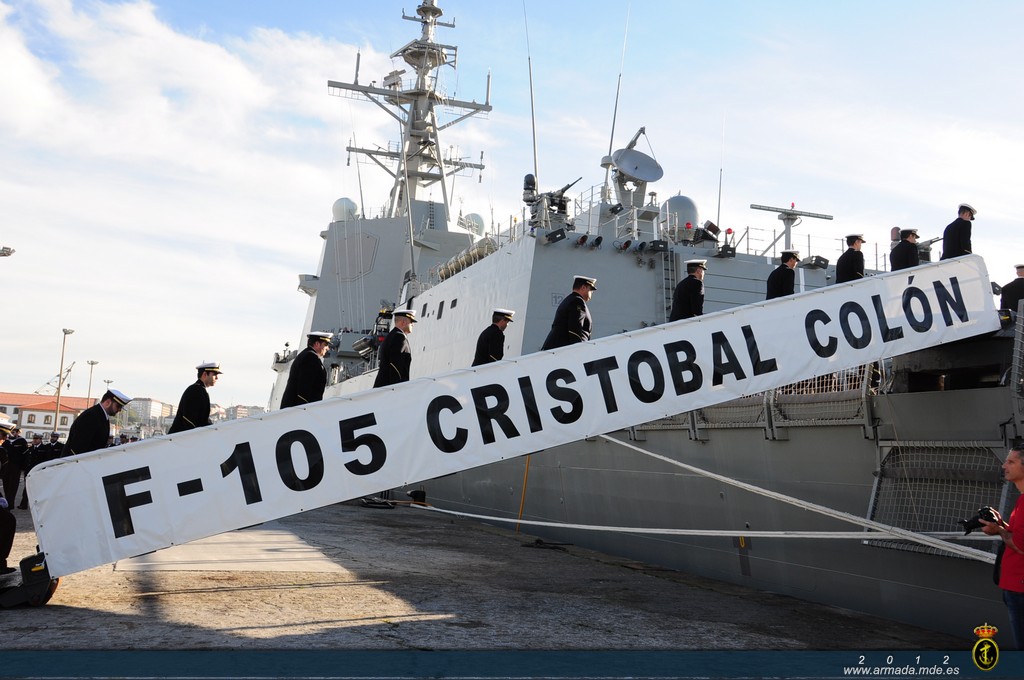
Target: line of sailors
{"points": [[688, 297], [307, 378]]}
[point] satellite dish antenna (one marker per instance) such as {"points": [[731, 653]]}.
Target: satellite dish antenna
{"points": [[637, 165]]}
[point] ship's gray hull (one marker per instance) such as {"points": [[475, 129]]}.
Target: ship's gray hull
{"points": [[600, 483]]}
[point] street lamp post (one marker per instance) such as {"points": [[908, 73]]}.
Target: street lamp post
{"points": [[88, 396], [60, 379]]}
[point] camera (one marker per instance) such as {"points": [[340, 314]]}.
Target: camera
{"points": [[986, 513]]}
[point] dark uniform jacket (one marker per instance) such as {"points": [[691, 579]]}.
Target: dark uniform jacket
{"points": [[903, 256], [193, 409], [38, 454], [850, 266], [688, 299], [1013, 292], [14, 452], [490, 346], [89, 432], [395, 359], [307, 380], [956, 239], [781, 282], [572, 323]]}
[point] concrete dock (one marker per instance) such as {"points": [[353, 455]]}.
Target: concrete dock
{"points": [[350, 577]]}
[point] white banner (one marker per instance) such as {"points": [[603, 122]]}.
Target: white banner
{"points": [[103, 506]]}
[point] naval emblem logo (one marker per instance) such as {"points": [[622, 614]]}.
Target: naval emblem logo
{"points": [[985, 652]]}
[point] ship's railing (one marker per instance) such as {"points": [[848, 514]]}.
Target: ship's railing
{"points": [[635, 222], [749, 411], [841, 398], [833, 399], [926, 486], [1017, 365]]}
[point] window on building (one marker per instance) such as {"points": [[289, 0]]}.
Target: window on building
{"points": [[440, 309], [31, 418], [49, 419], [63, 421], [3, 409]]}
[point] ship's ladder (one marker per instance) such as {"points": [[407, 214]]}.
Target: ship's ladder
{"points": [[668, 281]]}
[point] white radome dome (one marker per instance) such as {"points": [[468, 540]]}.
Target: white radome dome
{"points": [[344, 210]]}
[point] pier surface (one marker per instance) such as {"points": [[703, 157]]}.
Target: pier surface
{"points": [[348, 592], [350, 577]]}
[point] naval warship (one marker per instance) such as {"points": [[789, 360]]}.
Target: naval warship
{"points": [[915, 442]]}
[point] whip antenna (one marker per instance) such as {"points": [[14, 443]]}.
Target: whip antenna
{"points": [[533, 114], [615, 110]]}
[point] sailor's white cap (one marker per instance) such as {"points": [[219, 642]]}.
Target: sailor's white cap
{"points": [[703, 264], [577, 279], [6, 426], [211, 366], [905, 233], [320, 335], [794, 253], [118, 396], [967, 206], [409, 314], [506, 313], [1018, 266], [859, 237]]}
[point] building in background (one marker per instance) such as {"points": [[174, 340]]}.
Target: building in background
{"points": [[34, 412]]}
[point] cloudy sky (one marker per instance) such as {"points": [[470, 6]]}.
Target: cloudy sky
{"points": [[167, 166]]}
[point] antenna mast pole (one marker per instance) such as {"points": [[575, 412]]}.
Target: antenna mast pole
{"points": [[721, 168], [533, 113], [615, 111]]}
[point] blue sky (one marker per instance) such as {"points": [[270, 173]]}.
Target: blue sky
{"points": [[168, 166]]}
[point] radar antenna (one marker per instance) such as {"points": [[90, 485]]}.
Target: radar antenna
{"points": [[790, 218], [633, 170]]}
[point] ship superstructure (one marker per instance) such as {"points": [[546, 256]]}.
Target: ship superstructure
{"points": [[915, 442]]}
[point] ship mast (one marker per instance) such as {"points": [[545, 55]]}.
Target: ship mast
{"points": [[418, 161]]}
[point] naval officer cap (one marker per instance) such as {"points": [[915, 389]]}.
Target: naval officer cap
{"points": [[119, 397], [209, 366], [967, 206], [409, 314], [696, 264], [1018, 266], [788, 254], [504, 313], [320, 336], [579, 280], [852, 238], [6, 426], [906, 233]]}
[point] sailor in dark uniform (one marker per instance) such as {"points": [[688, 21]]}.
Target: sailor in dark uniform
{"points": [[490, 346], [91, 428], [1013, 292], [688, 298], [782, 281], [904, 254], [956, 239], [194, 407], [307, 378], [572, 321], [13, 457], [850, 265], [395, 352]]}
